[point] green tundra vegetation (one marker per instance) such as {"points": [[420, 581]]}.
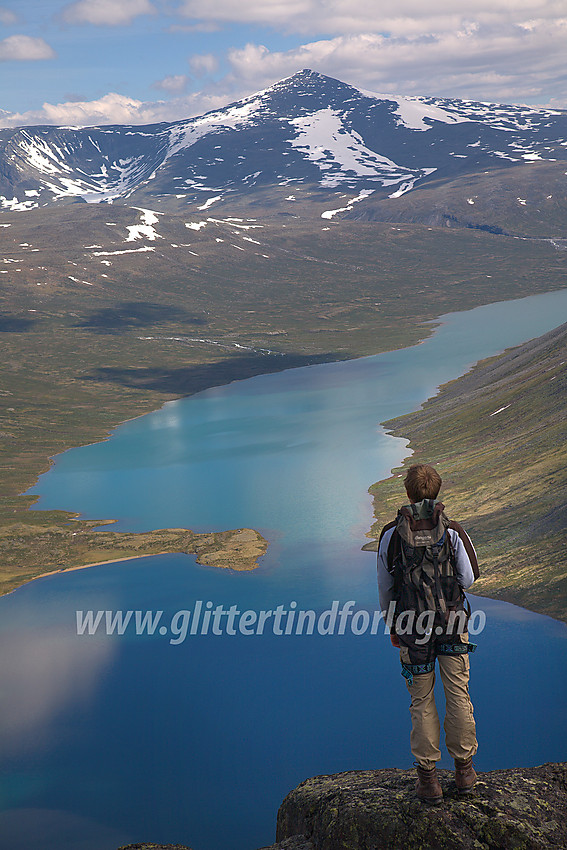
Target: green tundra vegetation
{"points": [[497, 435]]}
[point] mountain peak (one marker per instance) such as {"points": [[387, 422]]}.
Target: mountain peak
{"points": [[305, 74], [308, 79], [303, 91]]}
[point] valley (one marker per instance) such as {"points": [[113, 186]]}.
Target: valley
{"points": [[307, 224]]}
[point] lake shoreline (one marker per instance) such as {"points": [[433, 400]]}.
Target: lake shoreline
{"points": [[81, 567], [432, 325], [520, 548], [9, 580]]}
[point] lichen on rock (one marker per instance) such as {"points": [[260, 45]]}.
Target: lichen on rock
{"points": [[513, 809]]}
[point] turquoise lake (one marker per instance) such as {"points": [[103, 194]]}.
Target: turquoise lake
{"points": [[112, 739]]}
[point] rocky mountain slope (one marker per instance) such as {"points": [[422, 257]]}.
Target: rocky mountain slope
{"points": [[307, 131]]}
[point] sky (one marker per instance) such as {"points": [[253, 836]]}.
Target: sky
{"points": [[89, 62]]}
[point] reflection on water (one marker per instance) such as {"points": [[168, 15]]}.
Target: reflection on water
{"points": [[47, 677]]}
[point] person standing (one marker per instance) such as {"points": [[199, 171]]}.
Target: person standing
{"points": [[425, 563]]}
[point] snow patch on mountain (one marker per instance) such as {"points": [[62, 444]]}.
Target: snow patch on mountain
{"points": [[146, 229], [47, 159], [209, 202], [339, 152], [76, 280], [105, 180], [411, 112], [360, 197], [234, 223], [15, 205], [414, 112], [408, 185], [182, 136], [125, 251]]}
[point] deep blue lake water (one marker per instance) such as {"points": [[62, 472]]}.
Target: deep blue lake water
{"points": [[109, 739]]}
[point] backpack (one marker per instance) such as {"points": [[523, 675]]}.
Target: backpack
{"points": [[422, 560]]}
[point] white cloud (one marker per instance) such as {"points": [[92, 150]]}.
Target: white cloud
{"points": [[111, 109], [202, 26], [486, 50], [7, 17], [512, 64], [251, 11], [106, 12], [351, 16], [274, 12], [114, 108], [174, 84], [24, 48], [205, 63]]}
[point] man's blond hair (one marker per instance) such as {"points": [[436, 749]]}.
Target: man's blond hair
{"points": [[422, 482]]}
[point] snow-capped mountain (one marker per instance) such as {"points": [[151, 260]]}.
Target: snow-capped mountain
{"points": [[307, 130]]}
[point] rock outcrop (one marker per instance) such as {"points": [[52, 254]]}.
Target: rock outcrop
{"points": [[514, 809]]}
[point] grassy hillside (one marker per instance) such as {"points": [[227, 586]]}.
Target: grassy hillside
{"points": [[97, 327], [498, 437], [525, 200]]}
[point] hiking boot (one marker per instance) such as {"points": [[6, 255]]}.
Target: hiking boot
{"points": [[465, 776], [427, 788]]}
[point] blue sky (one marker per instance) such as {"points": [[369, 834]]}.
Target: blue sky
{"points": [[138, 61]]}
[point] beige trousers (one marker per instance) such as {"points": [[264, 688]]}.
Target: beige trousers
{"points": [[459, 725]]}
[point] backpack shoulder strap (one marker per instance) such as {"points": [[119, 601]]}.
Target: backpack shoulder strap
{"points": [[387, 528], [456, 526], [394, 547], [391, 543]]}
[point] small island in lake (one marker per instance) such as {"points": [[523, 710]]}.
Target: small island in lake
{"points": [[28, 552]]}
